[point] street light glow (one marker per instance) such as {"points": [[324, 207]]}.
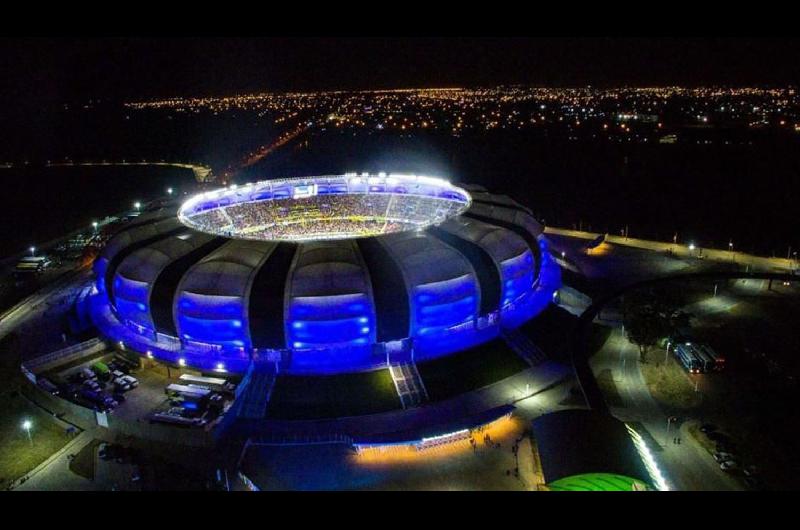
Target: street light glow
{"points": [[137, 205], [691, 246], [27, 424]]}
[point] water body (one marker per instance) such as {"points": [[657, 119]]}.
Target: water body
{"points": [[708, 194], [44, 203]]}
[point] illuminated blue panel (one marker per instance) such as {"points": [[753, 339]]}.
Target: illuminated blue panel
{"points": [[100, 266], [517, 276], [131, 300], [548, 282], [212, 319], [444, 304], [328, 321]]}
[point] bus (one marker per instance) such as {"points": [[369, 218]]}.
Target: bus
{"points": [[707, 362], [187, 393], [215, 384], [718, 359], [686, 356]]}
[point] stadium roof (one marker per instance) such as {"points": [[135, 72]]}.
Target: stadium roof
{"points": [[572, 443]]}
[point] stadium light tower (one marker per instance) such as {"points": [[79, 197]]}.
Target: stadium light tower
{"points": [[26, 426]]}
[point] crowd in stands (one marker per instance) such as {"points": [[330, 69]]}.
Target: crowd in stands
{"points": [[320, 215]]}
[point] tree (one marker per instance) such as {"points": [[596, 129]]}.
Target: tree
{"points": [[650, 314]]}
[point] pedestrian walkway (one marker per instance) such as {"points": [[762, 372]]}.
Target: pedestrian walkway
{"points": [[54, 473], [258, 385]]}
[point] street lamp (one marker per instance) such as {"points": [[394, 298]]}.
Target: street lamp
{"points": [[169, 191], [691, 246], [33, 251], [94, 225], [26, 426], [137, 205]]}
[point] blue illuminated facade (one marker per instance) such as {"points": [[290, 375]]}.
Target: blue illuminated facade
{"points": [[206, 307]]}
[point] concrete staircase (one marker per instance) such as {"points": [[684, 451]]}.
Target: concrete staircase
{"points": [[406, 378], [408, 384]]}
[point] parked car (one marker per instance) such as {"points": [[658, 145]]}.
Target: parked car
{"points": [[721, 456], [99, 399], [121, 385], [751, 471], [754, 483], [102, 371], [117, 366], [131, 380], [729, 465], [92, 385]]}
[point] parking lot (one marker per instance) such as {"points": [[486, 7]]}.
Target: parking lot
{"points": [[95, 383]]}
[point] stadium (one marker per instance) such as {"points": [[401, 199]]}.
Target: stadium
{"points": [[323, 275]]}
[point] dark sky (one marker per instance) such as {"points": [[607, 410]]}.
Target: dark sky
{"points": [[53, 71]]}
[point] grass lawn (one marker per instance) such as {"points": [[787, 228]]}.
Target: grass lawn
{"points": [[314, 397], [17, 456], [469, 370], [670, 385]]}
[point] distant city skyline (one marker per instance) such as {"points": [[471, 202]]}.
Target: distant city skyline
{"points": [[54, 71]]}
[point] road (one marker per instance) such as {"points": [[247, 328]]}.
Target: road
{"points": [[756, 263], [686, 466]]}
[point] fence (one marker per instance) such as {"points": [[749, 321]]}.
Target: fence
{"points": [[64, 355]]}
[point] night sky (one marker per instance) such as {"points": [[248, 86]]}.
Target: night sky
{"points": [[52, 71]]}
